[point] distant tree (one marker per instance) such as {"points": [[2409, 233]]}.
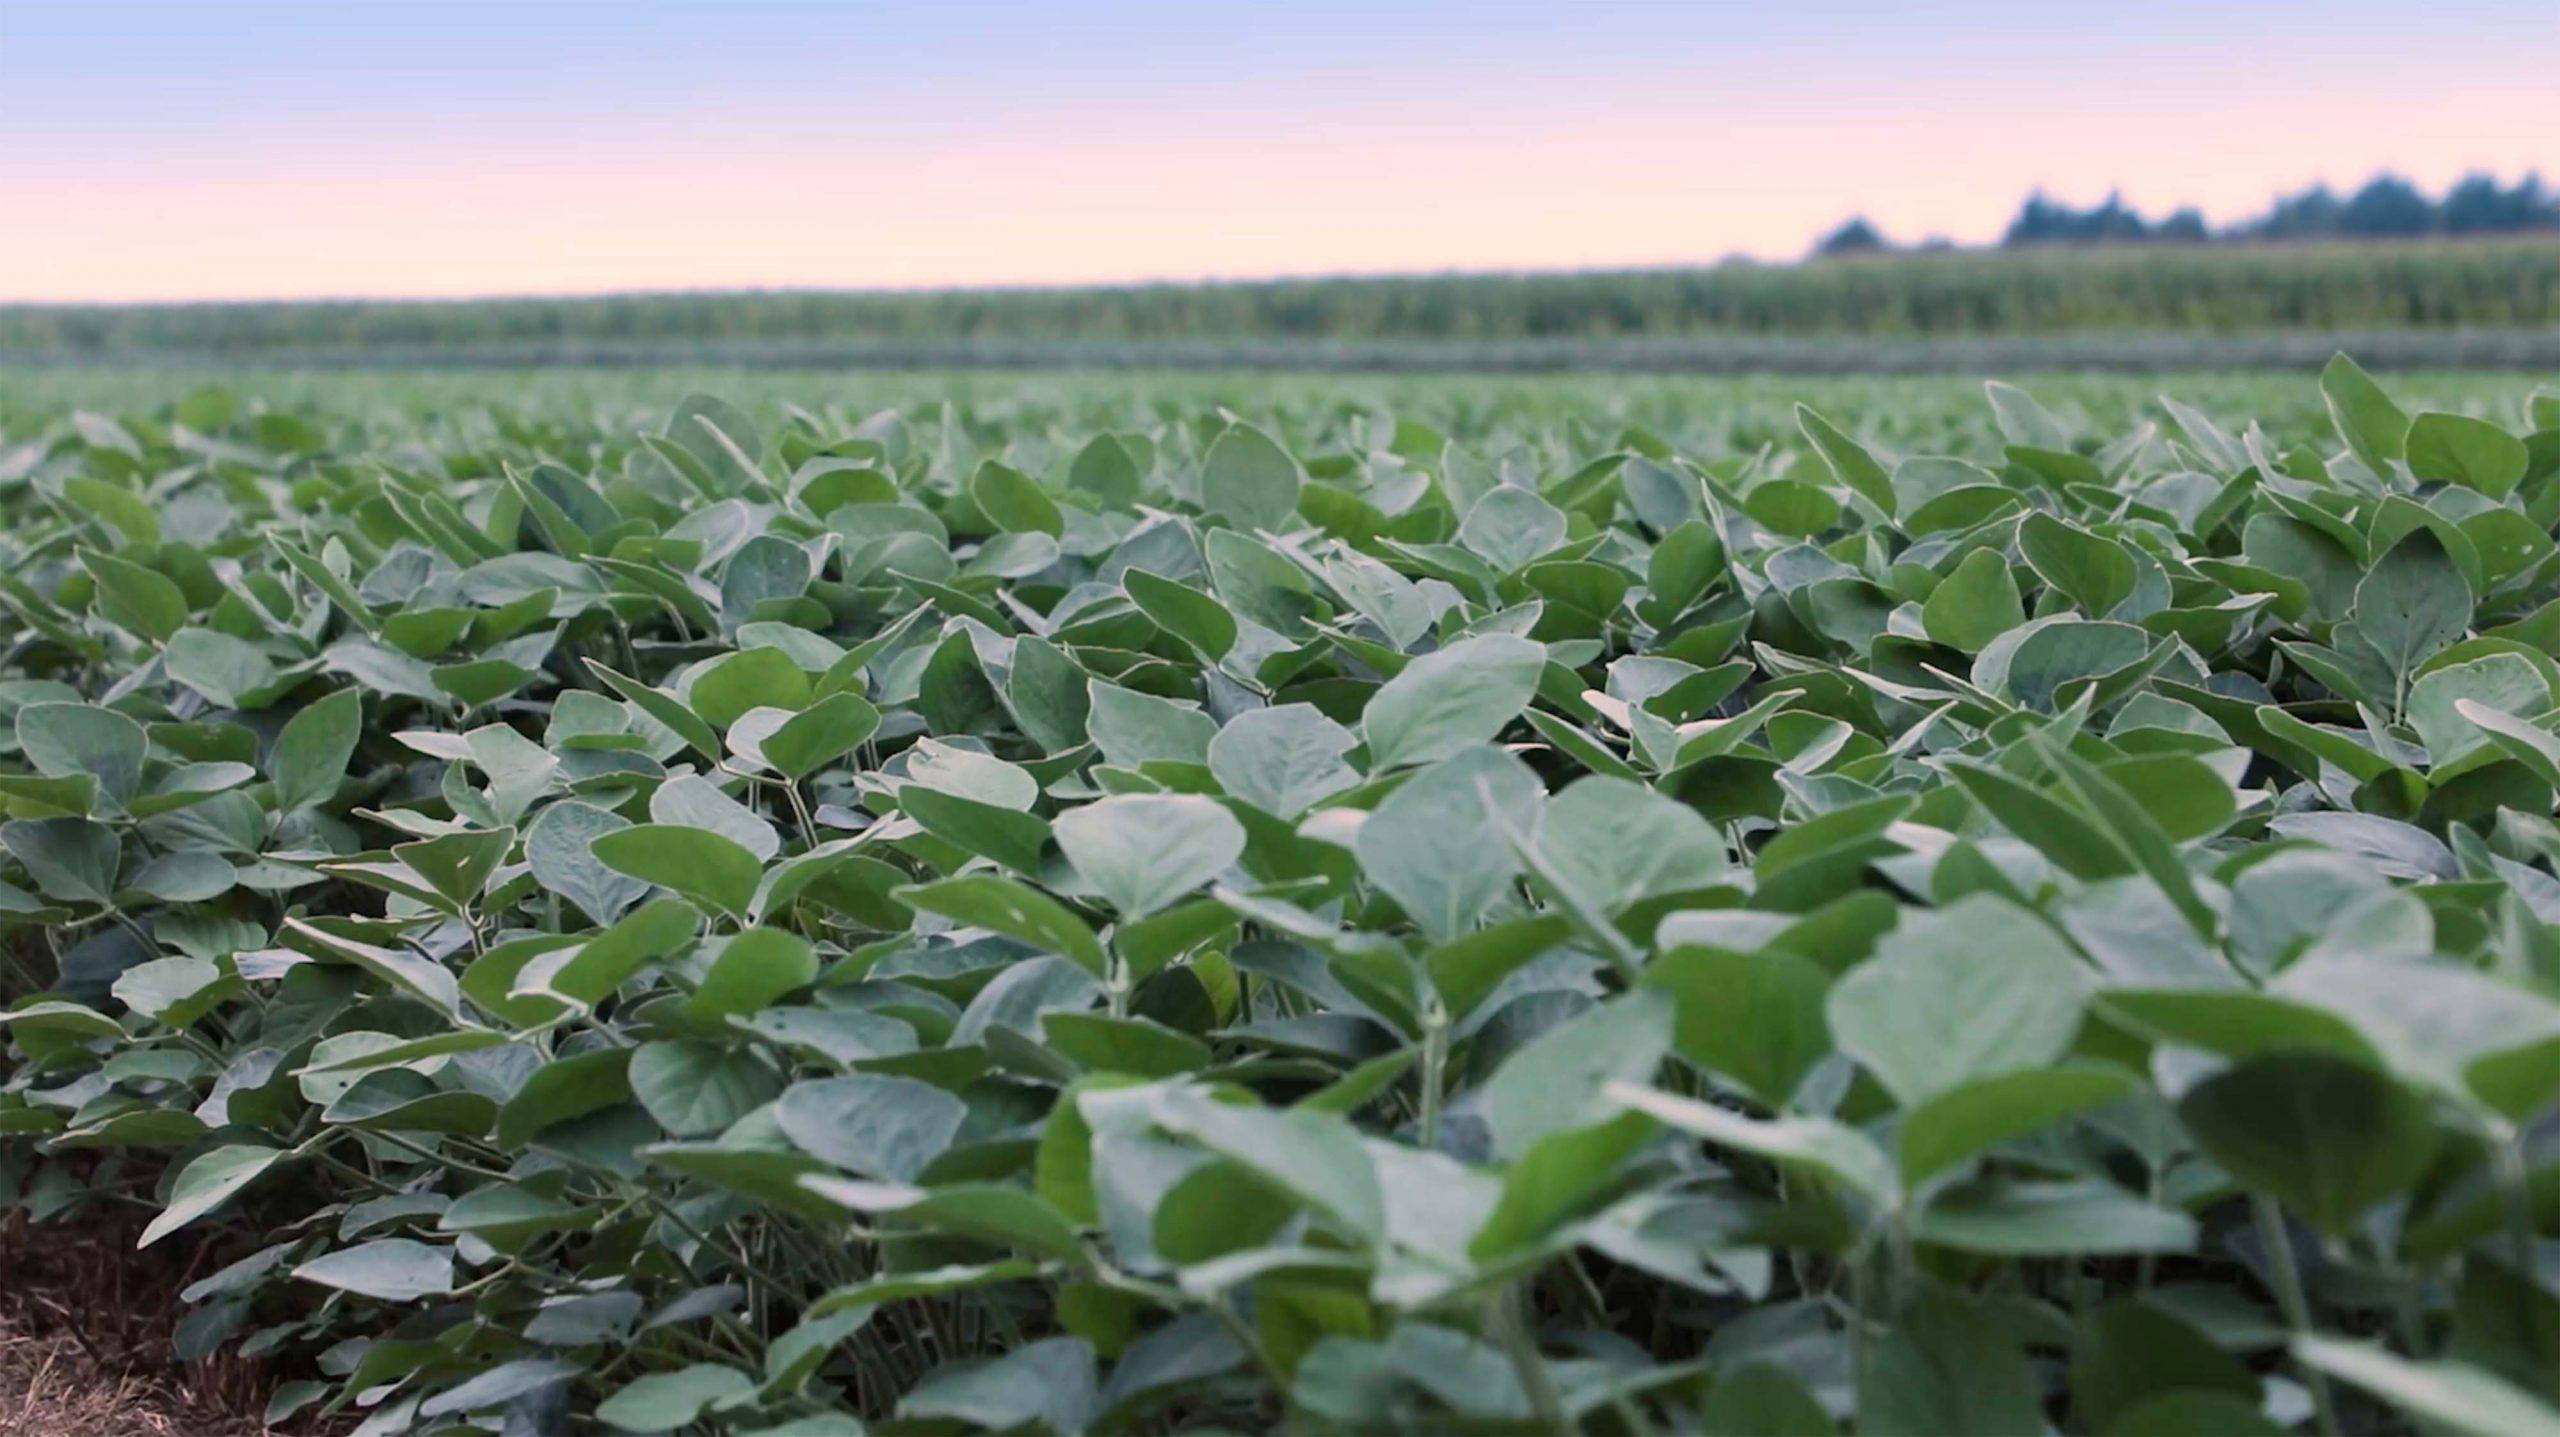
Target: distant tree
{"points": [[2039, 221], [2184, 226], [2477, 205], [2045, 221], [2387, 206], [2113, 223], [1856, 236], [2309, 214]]}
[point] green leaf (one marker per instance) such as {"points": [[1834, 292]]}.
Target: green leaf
{"points": [[1184, 612], [1998, 1218], [1973, 991], [70, 859], [311, 753], [878, 1126], [1010, 836], [66, 739], [2131, 1351], [1816, 1145], [665, 1401], [1558, 1080], [662, 706], [2327, 1137], [1282, 760], [693, 1088], [2094, 572], [2457, 449], [750, 971], [1014, 501], [1948, 1367], [559, 848], [1314, 1157], [458, 866], [701, 865], [391, 1270], [140, 601], [207, 1183], [2455, 1396], [1451, 699], [1250, 479], [563, 1089], [1124, 1045], [1973, 605], [1753, 1017], [1969, 1120], [1144, 851], [1612, 843], [1015, 910], [1050, 1384], [228, 672], [1850, 463], [2412, 602], [2375, 429], [1440, 846], [816, 736], [726, 688]]}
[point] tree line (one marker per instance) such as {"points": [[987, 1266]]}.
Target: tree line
{"points": [[2388, 206]]}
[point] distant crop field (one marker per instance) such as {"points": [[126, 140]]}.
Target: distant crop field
{"points": [[2474, 304], [802, 904]]}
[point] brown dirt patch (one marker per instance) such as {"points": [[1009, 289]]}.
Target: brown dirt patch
{"points": [[85, 1349]]}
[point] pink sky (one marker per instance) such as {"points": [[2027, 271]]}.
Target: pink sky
{"points": [[238, 196]]}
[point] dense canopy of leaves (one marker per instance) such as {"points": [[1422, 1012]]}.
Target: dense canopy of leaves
{"points": [[1127, 916]]}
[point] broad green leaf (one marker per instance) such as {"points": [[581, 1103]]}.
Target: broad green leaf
{"points": [[1974, 604], [2375, 429], [1014, 910], [2455, 1396], [206, 1184], [1144, 851], [1558, 1079], [1450, 700], [391, 1270], [2457, 449], [1975, 991], [1283, 759], [701, 865], [2327, 1137], [877, 1126], [1248, 478], [693, 1088], [311, 753]]}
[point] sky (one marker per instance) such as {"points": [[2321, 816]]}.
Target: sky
{"points": [[235, 149]]}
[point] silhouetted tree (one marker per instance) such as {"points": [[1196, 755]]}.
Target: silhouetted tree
{"points": [[2387, 206], [1856, 236], [2184, 226], [2039, 221], [2310, 214]]}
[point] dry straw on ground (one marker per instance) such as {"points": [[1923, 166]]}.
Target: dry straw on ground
{"points": [[85, 1346]]}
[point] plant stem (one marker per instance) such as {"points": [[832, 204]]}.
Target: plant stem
{"points": [[2516, 1183], [1504, 1314], [2291, 1302], [1435, 1063]]}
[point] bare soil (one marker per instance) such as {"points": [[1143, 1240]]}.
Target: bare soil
{"points": [[85, 1349]]}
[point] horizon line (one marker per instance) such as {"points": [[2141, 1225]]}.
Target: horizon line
{"points": [[1927, 250]]}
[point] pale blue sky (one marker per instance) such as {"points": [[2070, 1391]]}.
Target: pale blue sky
{"points": [[384, 146]]}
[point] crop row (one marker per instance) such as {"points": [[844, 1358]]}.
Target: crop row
{"points": [[1097, 916]]}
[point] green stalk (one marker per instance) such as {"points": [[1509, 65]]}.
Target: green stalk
{"points": [[1504, 1315], [1435, 1063], [2516, 1183], [2293, 1304]]}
